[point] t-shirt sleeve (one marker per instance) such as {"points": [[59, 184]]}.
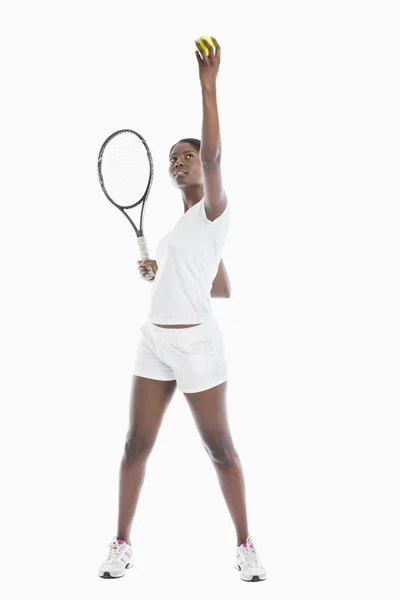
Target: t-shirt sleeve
{"points": [[223, 217]]}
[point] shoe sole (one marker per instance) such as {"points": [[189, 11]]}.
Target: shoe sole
{"points": [[253, 579], [107, 575]]}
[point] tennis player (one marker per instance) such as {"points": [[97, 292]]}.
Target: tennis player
{"points": [[181, 344]]}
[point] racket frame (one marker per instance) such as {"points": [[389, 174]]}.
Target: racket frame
{"points": [[142, 242]]}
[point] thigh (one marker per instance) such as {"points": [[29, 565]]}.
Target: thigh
{"points": [[149, 400], [210, 413]]}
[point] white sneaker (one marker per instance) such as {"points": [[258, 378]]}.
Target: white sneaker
{"points": [[248, 562], [119, 559]]}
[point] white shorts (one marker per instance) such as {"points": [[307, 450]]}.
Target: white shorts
{"points": [[194, 356]]}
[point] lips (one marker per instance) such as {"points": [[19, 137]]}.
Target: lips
{"points": [[180, 173]]}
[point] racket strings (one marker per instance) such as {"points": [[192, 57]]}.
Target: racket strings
{"points": [[125, 169]]}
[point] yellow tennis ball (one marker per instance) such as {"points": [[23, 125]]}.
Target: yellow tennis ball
{"points": [[200, 41]]}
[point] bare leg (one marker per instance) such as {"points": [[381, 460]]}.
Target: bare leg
{"points": [[210, 414], [149, 400]]}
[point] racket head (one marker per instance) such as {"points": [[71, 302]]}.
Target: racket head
{"points": [[125, 168]]}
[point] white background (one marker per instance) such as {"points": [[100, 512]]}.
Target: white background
{"points": [[309, 108]]}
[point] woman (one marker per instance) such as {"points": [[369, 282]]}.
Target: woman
{"points": [[181, 344]]}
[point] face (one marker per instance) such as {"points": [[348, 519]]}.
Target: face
{"points": [[185, 157]]}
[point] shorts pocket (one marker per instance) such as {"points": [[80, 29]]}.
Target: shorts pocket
{"points": [[206, 346], [200, 340]]}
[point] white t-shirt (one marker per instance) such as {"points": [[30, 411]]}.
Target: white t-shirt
{"points": [[188, 259]]}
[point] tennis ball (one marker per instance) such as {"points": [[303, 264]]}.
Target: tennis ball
{"points": [[200, 41]]}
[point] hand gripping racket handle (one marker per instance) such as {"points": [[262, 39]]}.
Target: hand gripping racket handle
{"points": [[144, 255]]}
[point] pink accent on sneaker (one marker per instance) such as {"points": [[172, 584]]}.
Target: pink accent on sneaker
{"points": [[245, 545], [121, 541]]}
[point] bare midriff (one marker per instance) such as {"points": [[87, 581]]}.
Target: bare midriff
{"points": [[176, 326]]}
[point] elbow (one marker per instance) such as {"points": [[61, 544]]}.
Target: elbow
{"points": [[221, 293], [213, 158]]}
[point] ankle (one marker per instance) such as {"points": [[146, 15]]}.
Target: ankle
{"points": [[241, 540], [122, 539]]}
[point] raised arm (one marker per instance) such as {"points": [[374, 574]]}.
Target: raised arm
{"points": [[215, 199]]}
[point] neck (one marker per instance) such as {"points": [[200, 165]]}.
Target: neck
{"points": [[191, 195]]}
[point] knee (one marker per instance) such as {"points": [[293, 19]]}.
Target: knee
{"points": [[221, 450], [137, 447]]}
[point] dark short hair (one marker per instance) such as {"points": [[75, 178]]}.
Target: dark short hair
{"points": [[193, 141]]}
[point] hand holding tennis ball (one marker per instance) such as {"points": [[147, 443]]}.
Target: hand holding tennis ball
{"points": [[208, 55], [200, 41]]}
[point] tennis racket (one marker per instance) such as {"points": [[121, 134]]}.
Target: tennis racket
{"points": [[125, 168]]}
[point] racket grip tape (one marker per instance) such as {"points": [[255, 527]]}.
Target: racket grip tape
{"points": [[144, 254]]}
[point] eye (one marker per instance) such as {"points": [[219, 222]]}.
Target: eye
{"points": [[188, 154]]}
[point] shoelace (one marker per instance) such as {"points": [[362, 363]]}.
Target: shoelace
{"points": [[250, 554], [115, 550]]}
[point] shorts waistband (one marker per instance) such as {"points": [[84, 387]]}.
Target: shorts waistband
{"points": [[176, 331]]}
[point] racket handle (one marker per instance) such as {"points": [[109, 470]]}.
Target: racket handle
{"points": [[144, 254]]}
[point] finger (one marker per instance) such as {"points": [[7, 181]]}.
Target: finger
{"points": [[201, 52], [217, 48], [199, 59], [209, 46]]}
